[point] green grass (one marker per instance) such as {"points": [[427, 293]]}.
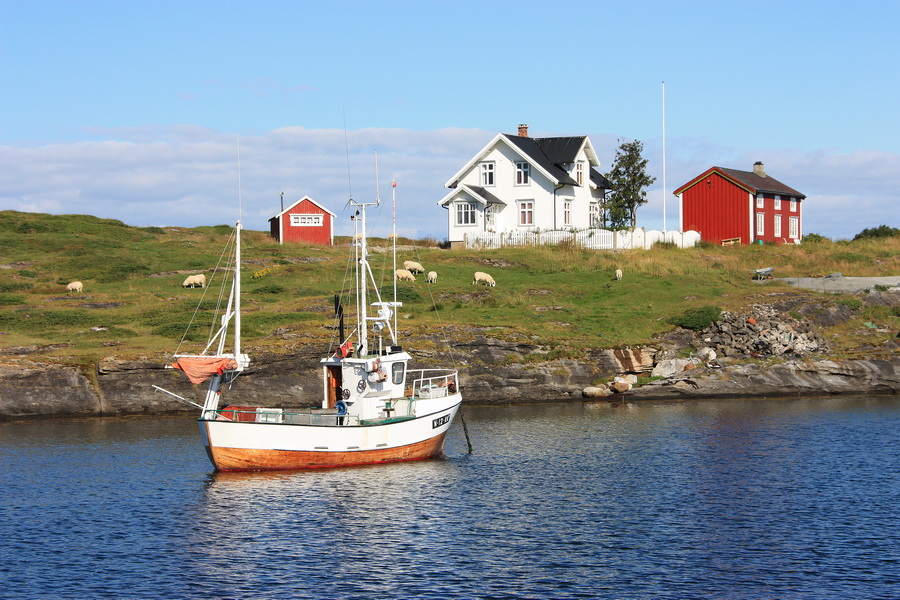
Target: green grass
{"points": [[564, 298]]}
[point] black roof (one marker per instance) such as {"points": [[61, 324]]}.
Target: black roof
{"points": [[550, 153]]}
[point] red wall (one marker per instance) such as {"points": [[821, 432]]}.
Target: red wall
{"points": [[717, 209], [306, 234]]}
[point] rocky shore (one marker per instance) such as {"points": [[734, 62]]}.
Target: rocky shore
{"points": [[768, 351]]}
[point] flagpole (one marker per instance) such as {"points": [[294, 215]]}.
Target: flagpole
{"points": [[664, 152]]}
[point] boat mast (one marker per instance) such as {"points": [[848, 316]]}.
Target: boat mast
{"points": [[236, 290]]}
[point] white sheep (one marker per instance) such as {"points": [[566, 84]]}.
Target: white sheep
{"points": [[484, 278], [404, 275], [618, 274], [413, 267], [195, 281], [75, 287], [432, 277]]}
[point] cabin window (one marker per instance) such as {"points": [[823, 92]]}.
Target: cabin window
{"points": [[523, 173], [465, 213], [306, 220], [526, 213], [760, 201], [487, 173], [794, 225], [579, 173], [777, 204], [760, 223], [567, 213], [397, 373], [776, 230]]}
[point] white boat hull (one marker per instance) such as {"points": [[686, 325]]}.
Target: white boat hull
{"points": [[251, 446]]}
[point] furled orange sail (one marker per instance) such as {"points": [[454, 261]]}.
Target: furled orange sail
{"points": [[200, 368]]}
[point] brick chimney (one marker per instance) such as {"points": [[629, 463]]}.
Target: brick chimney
{"points": [[758, 169], [523, 129]]}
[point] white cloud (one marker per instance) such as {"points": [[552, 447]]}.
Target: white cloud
{"points": [[188, 176]]}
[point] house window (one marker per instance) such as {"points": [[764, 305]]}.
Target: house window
{"points": [[777, 204], [523, 173], [579, 173], [567, 214], [306, 220], [487, 173], [594, 215], [794, 227], [760, 223], [760, 201], [465, 213], [526, 213], [776, 229], [793, 205]]}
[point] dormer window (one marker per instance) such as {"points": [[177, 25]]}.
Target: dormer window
{"points": [[487, 174], [523, 173]]}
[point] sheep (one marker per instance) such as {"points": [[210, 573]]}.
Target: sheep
{"points": [[432, 277], [404, 275], [484, 278], [413, 267], [195, 281], [618, 274], [75, 287]]}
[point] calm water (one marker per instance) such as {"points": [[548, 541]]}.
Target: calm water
{"points": [[765, 499]]}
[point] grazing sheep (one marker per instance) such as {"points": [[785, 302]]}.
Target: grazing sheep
{"points": [[618, 274], [432, 277], [413, 267], [75, 287], [404, 275], [484, 278], [195, 281]]}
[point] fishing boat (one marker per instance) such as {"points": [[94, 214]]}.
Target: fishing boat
{"points": [[373, 408]]}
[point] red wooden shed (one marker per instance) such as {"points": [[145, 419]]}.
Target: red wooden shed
{"points": [[305, 221], [730, 206]]}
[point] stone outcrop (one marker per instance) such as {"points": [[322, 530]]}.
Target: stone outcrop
{"points": [[762, 331]]}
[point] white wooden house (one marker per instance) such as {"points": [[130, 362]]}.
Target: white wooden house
{"points": [[520, 183]]}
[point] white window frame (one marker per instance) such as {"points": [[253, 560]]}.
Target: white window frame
{"points": [[793, 205], [760, 223], [306, 220], [760, 201], [777, 202], [465, 214], [567, 213], [526, 213], [794, 227], [776, 228], [579, 172], [487, 174], [523, 173]]}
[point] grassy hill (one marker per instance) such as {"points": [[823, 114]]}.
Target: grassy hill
{"points": [[564, 297]]}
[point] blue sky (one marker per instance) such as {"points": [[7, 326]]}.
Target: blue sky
{"points": [[134, 110]]}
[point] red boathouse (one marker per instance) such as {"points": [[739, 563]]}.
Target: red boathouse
{"points": [[305, 221], [728, 206]]}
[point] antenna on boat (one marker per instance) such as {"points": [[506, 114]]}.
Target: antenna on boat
{"points": [[347, 152], [394, 238], [664, 152], [240, 198]]}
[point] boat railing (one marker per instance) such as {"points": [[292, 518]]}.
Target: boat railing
{"points": [[433, 383], [246, 414]]}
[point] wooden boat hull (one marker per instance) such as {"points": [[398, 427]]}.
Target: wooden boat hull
{"points": [[243, 446]]}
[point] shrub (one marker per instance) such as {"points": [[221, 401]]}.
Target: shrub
{"points": [[882, 231], [271, 288], [697, 319], [814, 238]]}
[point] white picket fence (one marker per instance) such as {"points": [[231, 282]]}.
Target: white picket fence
{"points": [[595, 239]]}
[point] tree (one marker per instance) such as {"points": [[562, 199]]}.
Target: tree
{"points": [[628, 177], [881, 231]]}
